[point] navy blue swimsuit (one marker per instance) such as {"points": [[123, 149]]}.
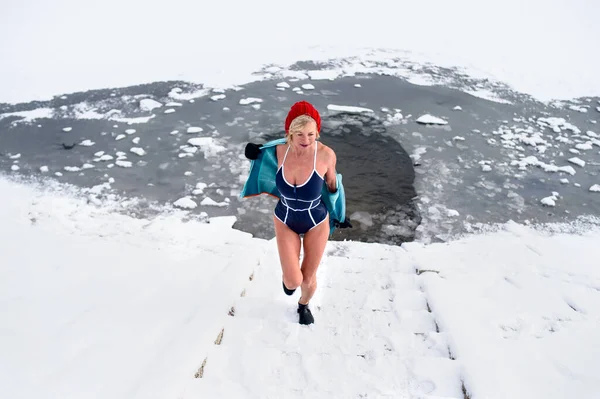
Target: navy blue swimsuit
{"points": [[300, 206]]}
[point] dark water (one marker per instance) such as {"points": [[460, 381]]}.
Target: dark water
{"points": [[389, 199]]}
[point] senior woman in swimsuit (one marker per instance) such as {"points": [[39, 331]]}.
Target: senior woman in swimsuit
{"points": [[300, 216], [304, 166]]}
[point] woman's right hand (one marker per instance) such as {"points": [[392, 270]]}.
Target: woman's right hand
{"points": [[252, 151]]}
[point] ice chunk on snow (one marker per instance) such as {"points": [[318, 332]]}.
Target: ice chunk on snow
{"points": [[457, 108], [284, 85], [207, 145], [486, 168], [124, 164], [87, 143], [104, 158], [136, 140], [14, 168], [584, 146], [595, 188], [250, 100], [169, 111], [428, 119], [217, 97], [567, 169], [564, 181], [186, 203], [72, 168], [44, 169], [16, 156], [549, 201], [308, 86], [452, 212], [577, 161], [67, 129], [347, 108], [120, 137], [193, 129], [199, 188], [578, 108], [130, 131], [210, 202], [137, 150], [148, 104]]}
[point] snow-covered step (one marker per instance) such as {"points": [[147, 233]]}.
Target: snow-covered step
{"points": [[373, 327]]}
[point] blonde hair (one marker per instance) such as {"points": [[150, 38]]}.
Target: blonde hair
{"points": [[297, 125]]}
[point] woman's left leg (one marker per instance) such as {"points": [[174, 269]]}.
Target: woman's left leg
{"points": [[314, 244]]}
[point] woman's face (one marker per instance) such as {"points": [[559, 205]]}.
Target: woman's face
{"points": [[306, 136]]}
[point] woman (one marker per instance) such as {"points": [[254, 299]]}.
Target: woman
{"points": [[304, 168]]}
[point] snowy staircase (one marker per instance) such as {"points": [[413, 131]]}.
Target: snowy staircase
{"points": [[374, 335]]}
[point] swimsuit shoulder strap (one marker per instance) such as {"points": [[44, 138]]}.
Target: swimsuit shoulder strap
{"points": [[285, 156], [315, 161]]}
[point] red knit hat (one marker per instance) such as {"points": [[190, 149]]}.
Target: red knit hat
{"points": [[302, 108]]}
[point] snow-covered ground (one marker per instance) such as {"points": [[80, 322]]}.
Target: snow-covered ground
{"points": [[95, 304]]}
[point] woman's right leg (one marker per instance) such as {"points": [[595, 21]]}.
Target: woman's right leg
{"points": [[288, 245]]}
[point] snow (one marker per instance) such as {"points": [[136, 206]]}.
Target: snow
{"points": [[507, 313], [430, 119], [29, 116], [183, 305]]}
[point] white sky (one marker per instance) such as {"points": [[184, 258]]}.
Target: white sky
{"points": [[95, 304], [545, 48]]}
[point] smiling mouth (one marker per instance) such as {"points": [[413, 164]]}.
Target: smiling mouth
{"points": [[304, 145]]}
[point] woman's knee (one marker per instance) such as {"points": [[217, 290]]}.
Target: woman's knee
{"points": [[294, 280]]}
